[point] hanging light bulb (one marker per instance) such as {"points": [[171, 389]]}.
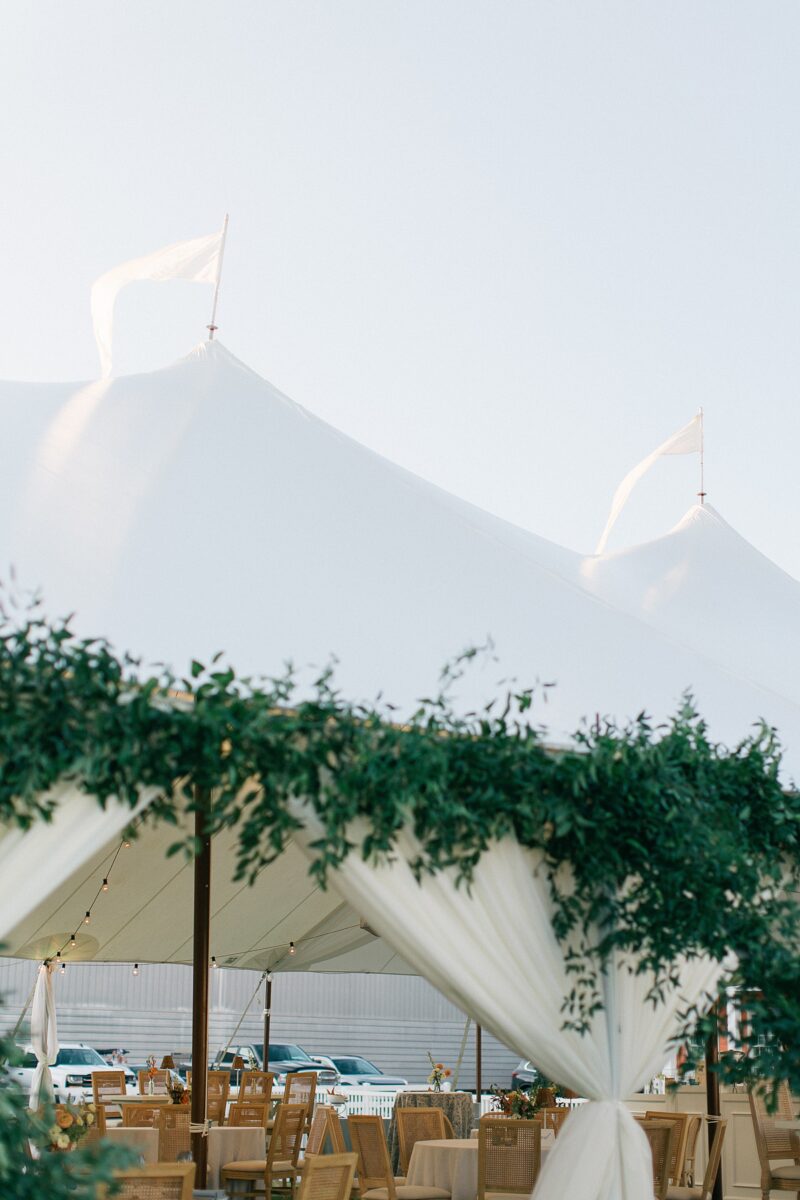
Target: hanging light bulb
{"points": [[213, 961], [136, 968], [126, 845], [72, 941], [58, 956], [63, 968], [291, 948], [105, 885], [87, 918]]}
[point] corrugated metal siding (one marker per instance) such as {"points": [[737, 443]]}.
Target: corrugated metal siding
{"points": [[392, 1019]]}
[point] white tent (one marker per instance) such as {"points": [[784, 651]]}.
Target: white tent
{"points": [[196, 509]]}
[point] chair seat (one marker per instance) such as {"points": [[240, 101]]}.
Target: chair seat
{"points": [[684, 1193], [256, 1166], [407, 1191], [789, 1172]]}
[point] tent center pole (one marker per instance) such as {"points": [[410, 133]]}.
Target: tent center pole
{"points": [[267, 1019], [200, 983], [478, 1064]]}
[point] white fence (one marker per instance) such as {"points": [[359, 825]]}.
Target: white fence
{"points": [[379, 1102]]}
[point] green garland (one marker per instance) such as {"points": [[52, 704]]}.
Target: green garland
{"points": [[677, 846]]}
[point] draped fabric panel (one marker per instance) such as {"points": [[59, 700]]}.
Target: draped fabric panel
{"points": [[492, 951], [44, 1037]]}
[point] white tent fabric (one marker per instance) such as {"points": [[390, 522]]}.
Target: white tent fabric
{"points": [[44, 1037], [196, 509], [493, 952]]}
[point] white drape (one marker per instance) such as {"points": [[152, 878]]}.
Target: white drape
{"points": [[197, 260], [492, 951], [687, 440], [44, 1036]]}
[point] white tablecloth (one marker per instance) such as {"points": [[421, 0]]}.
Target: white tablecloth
{"points": [[139, 1138], [453, 1164], [230, 1143]]}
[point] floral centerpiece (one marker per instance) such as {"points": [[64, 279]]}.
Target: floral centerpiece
{"points": [[151, 1073], [177, 1090], [72, 1123], [439, 1072], [515, 1103]]}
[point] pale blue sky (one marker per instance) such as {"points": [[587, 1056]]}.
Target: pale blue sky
{"points": [[512, 246]]}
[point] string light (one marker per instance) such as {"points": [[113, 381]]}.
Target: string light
{"points": [[291, 948], [126, 845], [87, 918], [136, 968], [72, 941], [63, 968], [58, 957], [213, 961], [105, 885]]}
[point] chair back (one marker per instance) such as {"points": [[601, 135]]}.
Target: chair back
{"points": [[772, 1142], [315, 1143], [328, 1177], [134, 1116], [249, 1113], [659, 1134], [287, 1136], [98, 1126], [690, 1149], [160, 1083], [301, 1088], [369, 1142], [553, 1117], [162, 1181], [256, 1085], [677, 1144], [334, 1131], [509, 1155], [217, 1088], [417, 1125], [108, 1083], [173, 1132], [714, 1157]]}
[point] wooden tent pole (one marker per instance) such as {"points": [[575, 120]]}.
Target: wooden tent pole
{"points": [[712, 1098], [267, 1019], [478, 1065], [200, 967]]}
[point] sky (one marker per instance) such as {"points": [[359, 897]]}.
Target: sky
{"points": [[510, 245]]}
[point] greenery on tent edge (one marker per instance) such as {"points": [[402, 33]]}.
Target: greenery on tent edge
{"points": [[676, 845]]}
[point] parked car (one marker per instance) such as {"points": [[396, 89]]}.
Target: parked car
{"points": [[72, 1073], [525, 1077], [283, 1057], [359, 1072]]}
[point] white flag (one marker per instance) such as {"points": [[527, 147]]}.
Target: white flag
{"points": [[198, 260], [686, 441]]}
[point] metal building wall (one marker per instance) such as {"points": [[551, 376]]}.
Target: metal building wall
{"points": [[392, 1019]]}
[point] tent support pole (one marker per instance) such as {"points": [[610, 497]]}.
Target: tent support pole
{"points": [[200, 967], [478, 1065], [267, 1019], [712, 1098]]}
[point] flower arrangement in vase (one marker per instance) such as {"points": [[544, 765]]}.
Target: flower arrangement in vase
{"points": [[515, 1103], [151, 1074], [72, 1123], [439, 1072]]}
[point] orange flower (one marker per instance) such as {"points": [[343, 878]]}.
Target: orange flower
{"points": [[440, 1066], [63, 1118], [447, 1072]]}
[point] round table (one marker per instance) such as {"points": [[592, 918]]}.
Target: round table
{"points": [[141, 1138], [453, 1164], [458, 1107], [226, 1143]]}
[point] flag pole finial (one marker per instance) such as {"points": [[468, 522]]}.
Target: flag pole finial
{"points": [[702, 492], [212, 326]]}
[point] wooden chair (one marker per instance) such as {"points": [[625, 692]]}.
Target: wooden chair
{"points": [[677, 1145], [246, 1113], [417, 1125], [693, 1126], [108, 1083], [509, 1156], [256, 1085], [375, 1179], [773, 1143], [173, 1132], [134, 1116], [160, 1083], [281, 1160], [553, 1117], [217, 1088], [162, 1181], [315, 1143], [659, 1134], [707, 1186], [328, 1177], [301, 1088]]}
